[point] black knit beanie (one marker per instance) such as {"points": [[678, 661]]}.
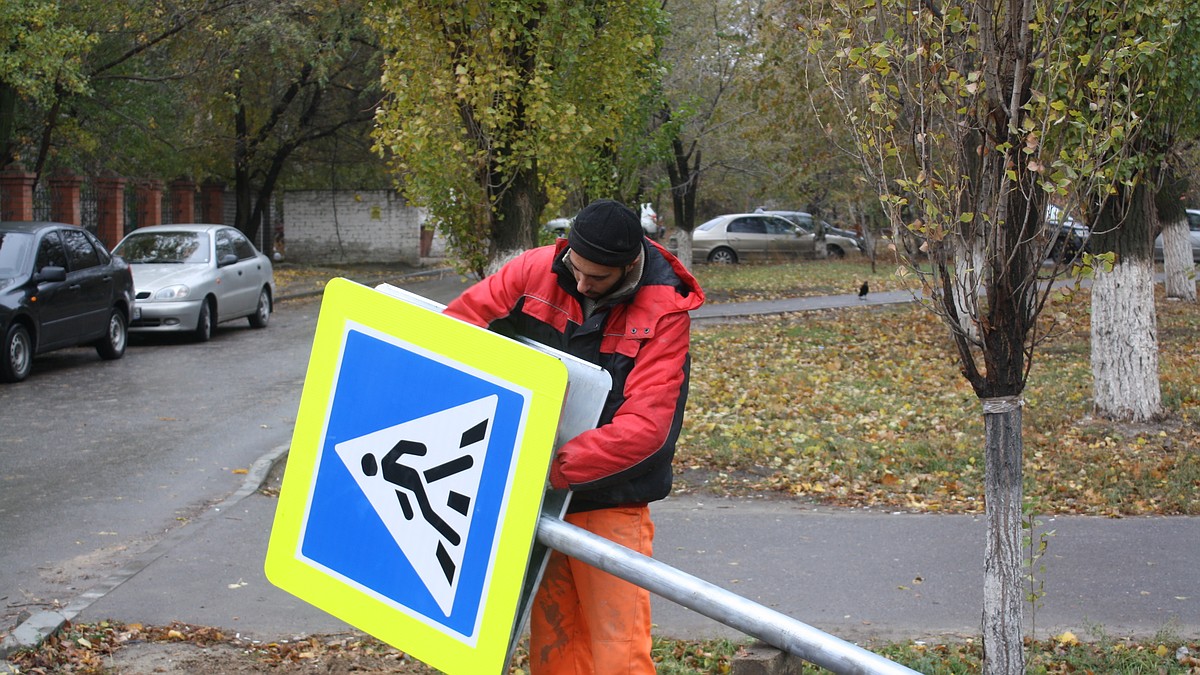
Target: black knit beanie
{"points": [[607, 232]]}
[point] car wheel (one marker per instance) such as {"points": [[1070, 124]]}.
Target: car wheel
{"points": [[834, 251], [723, 256], [204, 325], [112, 345], [18, 354], [262, 313]]}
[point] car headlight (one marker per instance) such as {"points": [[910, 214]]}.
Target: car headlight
{"points": [[178, 292]]}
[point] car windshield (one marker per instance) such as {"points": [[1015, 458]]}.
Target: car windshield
{"points": [[14, 247], [165, 247]]}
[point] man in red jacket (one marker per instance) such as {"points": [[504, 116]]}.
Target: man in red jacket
{"points": [[610, 296]]}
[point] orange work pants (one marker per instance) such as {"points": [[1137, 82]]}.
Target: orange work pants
{"points": [[585, 621]]}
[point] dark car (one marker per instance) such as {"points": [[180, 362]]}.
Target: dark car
{"points": [[59, 287], [1070, 235], [806, 220]]}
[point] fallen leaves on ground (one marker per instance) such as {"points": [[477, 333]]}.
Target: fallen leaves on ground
{"points": [[865, 407], [93, 648]]}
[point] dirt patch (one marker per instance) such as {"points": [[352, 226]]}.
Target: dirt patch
{"points": [[133, 649], [147, 658]]}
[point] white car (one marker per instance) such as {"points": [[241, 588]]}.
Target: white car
{"points": [[189, 278], [650, 222], [559, 226]]}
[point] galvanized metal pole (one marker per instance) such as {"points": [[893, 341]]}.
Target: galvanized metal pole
{"points": [[778, 630]]}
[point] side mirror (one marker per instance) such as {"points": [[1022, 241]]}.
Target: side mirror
{"points": [[50, 273], [227, 259]]}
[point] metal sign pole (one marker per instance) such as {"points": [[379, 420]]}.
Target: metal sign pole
{"points": [[778, 630]]}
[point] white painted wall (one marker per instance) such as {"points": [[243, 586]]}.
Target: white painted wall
{"points": [[348, 226]]}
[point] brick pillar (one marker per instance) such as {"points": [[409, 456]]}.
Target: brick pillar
{"points": [[149, 202], [183, 201], [110, 209], [212, 202], [65, 205], [16, 193]]}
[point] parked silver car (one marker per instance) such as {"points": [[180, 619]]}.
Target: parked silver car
{"points": [[760, 236], [559, 226], [1193, 216], [189, 278]]}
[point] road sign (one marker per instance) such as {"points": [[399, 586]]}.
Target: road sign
{"points": [[415, 476]]}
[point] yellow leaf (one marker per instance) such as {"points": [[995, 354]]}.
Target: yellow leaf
{"points": [[1067, 638], [174, 634], [241, 471], [83, 642], [1162, 651]]}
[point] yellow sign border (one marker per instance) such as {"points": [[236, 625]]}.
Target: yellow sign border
{"points": [[507, 360]]}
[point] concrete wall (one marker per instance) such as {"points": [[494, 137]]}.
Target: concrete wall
{"points": [[349, 226]]}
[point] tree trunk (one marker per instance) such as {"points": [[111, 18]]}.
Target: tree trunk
{"points": [[1003, 594], [242, 192], [8, 110], [968, 285], [683, 247], [516, 221], [684, 173], [1178, 264], [1125, 382]]}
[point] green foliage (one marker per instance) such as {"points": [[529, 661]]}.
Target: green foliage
{"points": [[508, 95], [42, 55]]}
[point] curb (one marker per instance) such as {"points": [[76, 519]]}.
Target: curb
{"points": [[438, 271], [34, 630]]}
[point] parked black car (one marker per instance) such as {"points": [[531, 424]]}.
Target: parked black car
{"points": [[59, 287]]}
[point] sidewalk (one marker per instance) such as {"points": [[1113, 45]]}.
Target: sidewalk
{"points": [[855, 574]]}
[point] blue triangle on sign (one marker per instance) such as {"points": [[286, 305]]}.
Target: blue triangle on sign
{"points": [[390, 398]]}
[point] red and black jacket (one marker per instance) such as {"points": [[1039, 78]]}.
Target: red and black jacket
{"points": [[643, 344]]}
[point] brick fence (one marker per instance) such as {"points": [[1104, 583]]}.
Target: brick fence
{"points": [[347, 226], [110, 206]]}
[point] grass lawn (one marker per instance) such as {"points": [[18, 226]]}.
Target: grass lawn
{"points": [[865, 406]]}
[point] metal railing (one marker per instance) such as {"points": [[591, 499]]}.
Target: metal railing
{"points": [[777, 630]]}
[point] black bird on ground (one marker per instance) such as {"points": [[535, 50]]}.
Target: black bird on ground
{"points": [[863, 290]]}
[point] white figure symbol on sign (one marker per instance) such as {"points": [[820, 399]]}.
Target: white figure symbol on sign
{"points": [[422, 482]]}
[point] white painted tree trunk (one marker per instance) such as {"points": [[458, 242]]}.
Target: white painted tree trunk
{"points": [[1003, 593], [500, 259], [1177, 261], [683, 247], [968, 284], [1125, 383]]}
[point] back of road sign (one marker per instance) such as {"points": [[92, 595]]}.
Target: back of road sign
{"points": [[416, 473]]}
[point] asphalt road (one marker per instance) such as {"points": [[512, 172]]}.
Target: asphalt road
{"points": [[99, 458]]}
